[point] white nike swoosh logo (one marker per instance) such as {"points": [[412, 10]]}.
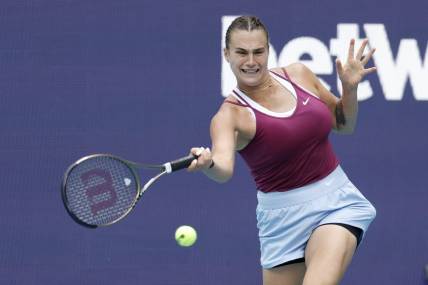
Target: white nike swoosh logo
{"points": [[306, 101]]}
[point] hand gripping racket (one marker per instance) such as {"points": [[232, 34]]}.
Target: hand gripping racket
{"points": [[101, 189]]}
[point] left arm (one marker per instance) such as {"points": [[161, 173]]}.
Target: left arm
{"points": [[344, 110], [351, 74]]}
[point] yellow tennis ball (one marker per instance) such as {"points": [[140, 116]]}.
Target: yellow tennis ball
{"points": [[185, 236]]}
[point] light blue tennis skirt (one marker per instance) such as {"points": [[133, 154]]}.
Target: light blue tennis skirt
{"points": [[287, 219]]}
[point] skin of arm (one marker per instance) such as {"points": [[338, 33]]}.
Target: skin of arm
{"points": [[223, 137]]}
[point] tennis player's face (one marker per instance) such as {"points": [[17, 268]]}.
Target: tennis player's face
{"points": [[248, 56]]}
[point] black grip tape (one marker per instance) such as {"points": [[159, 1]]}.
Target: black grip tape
{"points": [[183, 162]]}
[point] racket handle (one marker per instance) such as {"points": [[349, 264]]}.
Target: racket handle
{"points": [[180, 163]]}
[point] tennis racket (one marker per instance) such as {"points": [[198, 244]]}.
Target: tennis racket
{"points": [[101, 189]]}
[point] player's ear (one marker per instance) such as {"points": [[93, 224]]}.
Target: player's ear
{"points": [[226, 53]]}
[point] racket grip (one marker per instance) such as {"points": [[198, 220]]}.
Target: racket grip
{"points": [[180, 163]]}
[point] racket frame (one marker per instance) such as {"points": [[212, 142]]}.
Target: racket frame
{"points": [[165, 168], [131, 166]]}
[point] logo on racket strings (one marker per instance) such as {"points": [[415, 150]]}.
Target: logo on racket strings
{"points": [[101, 196]]}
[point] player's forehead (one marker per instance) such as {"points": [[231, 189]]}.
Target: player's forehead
{"points": [[248, 40]]}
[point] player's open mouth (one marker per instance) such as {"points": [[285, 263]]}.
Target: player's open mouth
{"points": [[250, 71]]}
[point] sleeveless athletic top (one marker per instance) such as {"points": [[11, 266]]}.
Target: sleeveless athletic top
{"points": [[291, 149]]}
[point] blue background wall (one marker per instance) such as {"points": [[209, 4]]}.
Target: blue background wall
{"points": [[141, 79]]}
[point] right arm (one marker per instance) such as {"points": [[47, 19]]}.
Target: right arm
{"points": [[223, 138]]}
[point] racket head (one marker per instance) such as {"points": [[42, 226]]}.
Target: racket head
{"points": [[100, 189]]}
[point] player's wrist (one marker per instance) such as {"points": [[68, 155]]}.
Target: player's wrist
{"points": [[209, 166]]}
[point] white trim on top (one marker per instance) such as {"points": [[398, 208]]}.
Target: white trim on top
{"points": [[266, 111], [307, 91], [300, 86], [243, 102], [287, 84]]}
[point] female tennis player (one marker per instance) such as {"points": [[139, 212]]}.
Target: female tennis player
{"points": [[310, 217]]}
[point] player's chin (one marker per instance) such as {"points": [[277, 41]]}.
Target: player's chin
{"points": [[252, 81]]}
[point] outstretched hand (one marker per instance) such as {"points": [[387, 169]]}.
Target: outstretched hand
{"points": [[354, 69]]}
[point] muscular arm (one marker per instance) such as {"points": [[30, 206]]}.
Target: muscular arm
{"points": [[351, 74], [223, 138], [346, 112]]}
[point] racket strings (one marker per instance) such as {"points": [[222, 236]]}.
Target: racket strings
{"points": [[101, 190]]}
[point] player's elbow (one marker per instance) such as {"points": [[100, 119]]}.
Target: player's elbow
{"points": [[346, 129], [223, 180], [224, 177], [349, 131], [219, 175]]}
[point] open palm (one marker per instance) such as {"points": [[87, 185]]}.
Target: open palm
{"points": [[353, 71]]}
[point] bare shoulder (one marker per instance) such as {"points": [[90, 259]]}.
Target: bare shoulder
{"points": [[236, 116], [295, 70], [301, 74], [227, 113], [230, 108]]}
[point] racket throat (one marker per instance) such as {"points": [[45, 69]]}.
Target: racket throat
{"points": [[151, 181]]}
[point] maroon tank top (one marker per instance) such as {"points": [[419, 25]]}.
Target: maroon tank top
{"points": [[289, 150]]}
